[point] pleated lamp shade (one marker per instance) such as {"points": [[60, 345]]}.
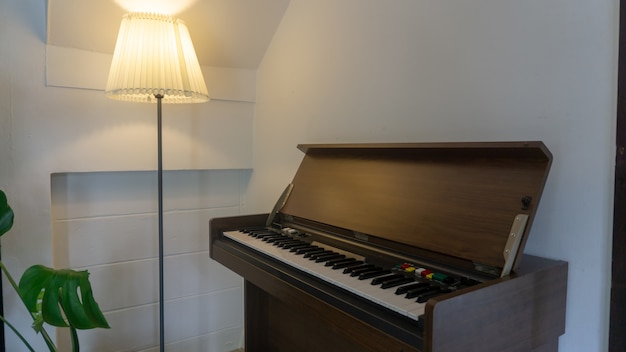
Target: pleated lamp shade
{"points": [[154, 55]]}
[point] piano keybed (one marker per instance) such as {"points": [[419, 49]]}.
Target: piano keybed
{"points": [[403, 288]]}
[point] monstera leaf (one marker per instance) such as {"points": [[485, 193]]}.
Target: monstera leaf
{"points": [[60, 298], [6, 214]]}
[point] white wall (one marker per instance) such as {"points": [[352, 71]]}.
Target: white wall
{"points": [[353, 71], [106, 223], [102, 153], [484, 70]]}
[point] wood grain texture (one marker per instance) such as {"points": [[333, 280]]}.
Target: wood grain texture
{"points": [[522, 312], [459, 199], [288, 319]]}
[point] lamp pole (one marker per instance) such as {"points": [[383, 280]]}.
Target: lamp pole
{"points": [[144, 64], [159, 98]]}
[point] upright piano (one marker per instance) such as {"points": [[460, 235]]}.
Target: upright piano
{"points": [[400, 247]]}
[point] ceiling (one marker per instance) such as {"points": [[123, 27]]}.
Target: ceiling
{"points": [[225, 33]]}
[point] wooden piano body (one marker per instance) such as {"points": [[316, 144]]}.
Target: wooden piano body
{"points": [[453, 206]]}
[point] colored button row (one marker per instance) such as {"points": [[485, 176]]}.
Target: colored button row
{"points": [[423, 272]]}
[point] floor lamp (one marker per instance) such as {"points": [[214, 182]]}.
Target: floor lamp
{"points": [[154, 61]]}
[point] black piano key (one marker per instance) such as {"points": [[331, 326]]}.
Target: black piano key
{"points": [[281, 243], [346, 265], [307, 249], [334, 262], [283, 239], [271, 238], [257, 234], [299, 246], [264, 234], [428, 295], [325, 258], [278, 241], [380, 280], [396, 282], [315, 255], [418, 291], [374, 273], [322, 253], [290, 241], [350, 269], [317, 251], [287, 245], [294, 244], [357, 272], [253, 229], [404, 289]]}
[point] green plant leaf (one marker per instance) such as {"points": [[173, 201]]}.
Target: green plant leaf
{"points": [[6, 214], [61, 297]]}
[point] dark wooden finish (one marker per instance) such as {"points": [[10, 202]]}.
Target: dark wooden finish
{"points": [[288, 311], [293, 320], [454, 198], [617, 330], [526, 309], [446, 206]]}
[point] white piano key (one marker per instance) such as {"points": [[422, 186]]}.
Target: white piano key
{"points": [[363, 288]]}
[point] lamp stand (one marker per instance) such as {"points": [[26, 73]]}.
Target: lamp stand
{"points": [[159, 98], [154, 53]]}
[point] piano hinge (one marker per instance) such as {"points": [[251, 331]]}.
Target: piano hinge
{"points": [[513, 242], [279, 205]]}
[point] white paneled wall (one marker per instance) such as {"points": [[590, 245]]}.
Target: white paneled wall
{"points": [[106, 223], [483, 70]]}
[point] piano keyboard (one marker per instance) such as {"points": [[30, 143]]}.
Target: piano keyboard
{"points": [[348, 271]]}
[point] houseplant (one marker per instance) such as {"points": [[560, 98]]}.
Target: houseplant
{"points": [[59, 297]]}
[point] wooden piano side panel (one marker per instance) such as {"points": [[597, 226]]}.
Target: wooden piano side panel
{"points": [[521, 313]]}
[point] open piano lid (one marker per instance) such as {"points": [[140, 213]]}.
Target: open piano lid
{"points": [[470, 203]]}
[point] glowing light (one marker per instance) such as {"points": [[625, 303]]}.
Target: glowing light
{"points": [[154, 56], [165, 7]]}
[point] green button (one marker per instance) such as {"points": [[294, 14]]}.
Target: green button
{"points": [[439, 277]]}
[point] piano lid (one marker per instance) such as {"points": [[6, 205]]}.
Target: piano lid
{"points": [[463, 200]]}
